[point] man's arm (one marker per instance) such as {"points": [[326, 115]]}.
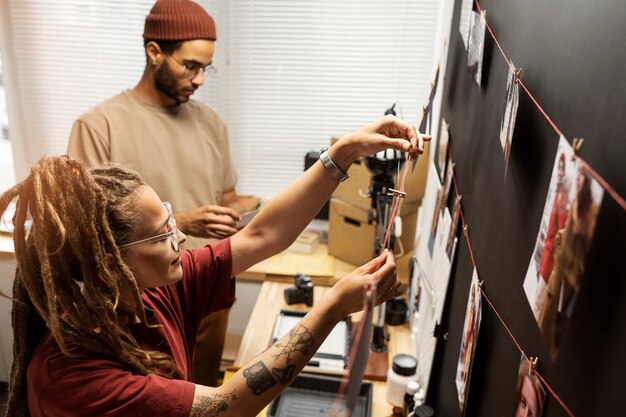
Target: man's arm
{"points": [[239, 203], [208, 221]]}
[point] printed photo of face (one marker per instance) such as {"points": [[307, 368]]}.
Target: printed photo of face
{"points": [[529, 393]]}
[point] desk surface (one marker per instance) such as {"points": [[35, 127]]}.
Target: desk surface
{"points": [[258, 334], [258, 271]]}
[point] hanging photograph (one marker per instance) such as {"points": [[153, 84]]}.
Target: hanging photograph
{"points": [[451, 243], [433, 226], [468, 342], [565, 235], [447, 184], [476, 46], [511, 102], [442, 149], [530, 397]]}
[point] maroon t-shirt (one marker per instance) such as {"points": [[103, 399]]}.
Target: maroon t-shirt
{"points": [[91, 385]]}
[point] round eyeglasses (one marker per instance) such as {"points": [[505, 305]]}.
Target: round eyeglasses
{"points": [[171, 234], [191, 70]]}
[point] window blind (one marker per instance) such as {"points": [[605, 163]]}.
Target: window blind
{"points": [[302, 71], [290, 73]]}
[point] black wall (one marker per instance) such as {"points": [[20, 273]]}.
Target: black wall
{"points": [[573, 60]]}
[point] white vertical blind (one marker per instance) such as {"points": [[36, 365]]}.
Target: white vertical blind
{"points": [[304, 70], [291, 73]]}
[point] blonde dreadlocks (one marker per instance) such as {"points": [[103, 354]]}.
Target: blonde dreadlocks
{"points": [[69, 267]]}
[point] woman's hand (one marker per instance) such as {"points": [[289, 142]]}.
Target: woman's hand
{"points": [[388, 132], [348, 293]]}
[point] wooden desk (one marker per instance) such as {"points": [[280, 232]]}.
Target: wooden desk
{"points": [[258, 334], [257, 272]]}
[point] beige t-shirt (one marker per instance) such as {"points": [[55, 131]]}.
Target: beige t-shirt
{"points": [[183, 153]]}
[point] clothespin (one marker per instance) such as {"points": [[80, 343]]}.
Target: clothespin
{"points": [[481, 283], [483, 13], [517, 72], [465, 229], [396, 193], [577, 144], [532, 365]]}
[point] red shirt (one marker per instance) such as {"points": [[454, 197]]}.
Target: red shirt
{"points": [[89, 384], [558, 218]]}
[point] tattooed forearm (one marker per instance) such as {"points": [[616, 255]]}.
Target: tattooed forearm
{"points": [[211, 406], [300, 340], [258, 378], [284, 375]]}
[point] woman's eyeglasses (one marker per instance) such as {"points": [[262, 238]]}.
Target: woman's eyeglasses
{"points": [[172, 233]]}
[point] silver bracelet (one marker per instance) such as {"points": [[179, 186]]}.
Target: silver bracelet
{"points": [[330, 165]]}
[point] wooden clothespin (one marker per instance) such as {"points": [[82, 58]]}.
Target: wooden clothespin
{"points": [[577, 144], [483, 13], [517, 72], [396, 193], [465, 229], [532, 365], [481, 283]]}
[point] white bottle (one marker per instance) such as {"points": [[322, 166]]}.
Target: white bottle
{"points": [[402, 371]]}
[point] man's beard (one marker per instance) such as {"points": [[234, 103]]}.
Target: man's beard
{"points": [[166, 83]]}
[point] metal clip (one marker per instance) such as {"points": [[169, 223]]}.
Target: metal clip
{"points": [[396, 193], [532, 365], [577, 144]]}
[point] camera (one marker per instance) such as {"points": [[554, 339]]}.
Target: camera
{"points": [[302, 292]]}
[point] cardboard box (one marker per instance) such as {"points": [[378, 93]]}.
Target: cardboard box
{"points": [[355, 190], [351, 236]]}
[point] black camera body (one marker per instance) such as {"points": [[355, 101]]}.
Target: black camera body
{"points": [[302, 292]]}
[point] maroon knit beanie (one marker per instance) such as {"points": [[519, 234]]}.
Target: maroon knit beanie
{"points": [[178, 20]]}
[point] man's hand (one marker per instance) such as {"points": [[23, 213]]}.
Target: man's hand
{"points": [[208, 222]]}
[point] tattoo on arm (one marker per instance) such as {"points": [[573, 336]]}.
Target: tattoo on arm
{"points": [[211, 406], [300, 340], [258, 378]]}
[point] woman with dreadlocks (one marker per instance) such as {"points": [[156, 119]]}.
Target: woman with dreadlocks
{"points": [[106, 306]]}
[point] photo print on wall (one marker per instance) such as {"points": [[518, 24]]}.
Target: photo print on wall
{"points": [[511, 102], [530, 396], [469, 337], [565, 235], [476, 45]]}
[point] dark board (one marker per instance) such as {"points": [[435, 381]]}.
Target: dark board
{"points": [[573, 60]]}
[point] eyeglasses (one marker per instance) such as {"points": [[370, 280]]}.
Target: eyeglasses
{"points": [[191, 70], [171, 234]]}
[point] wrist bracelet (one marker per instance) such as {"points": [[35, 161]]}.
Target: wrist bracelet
{"points": [[330, 165]]}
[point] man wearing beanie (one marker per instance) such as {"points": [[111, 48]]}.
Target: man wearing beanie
{"points": [[179, 145]]}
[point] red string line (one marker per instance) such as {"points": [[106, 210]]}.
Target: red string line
{"points": [[605, 184], [554, 126], [500, 318], [565, 407], [519, 81], [619, 199]]}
